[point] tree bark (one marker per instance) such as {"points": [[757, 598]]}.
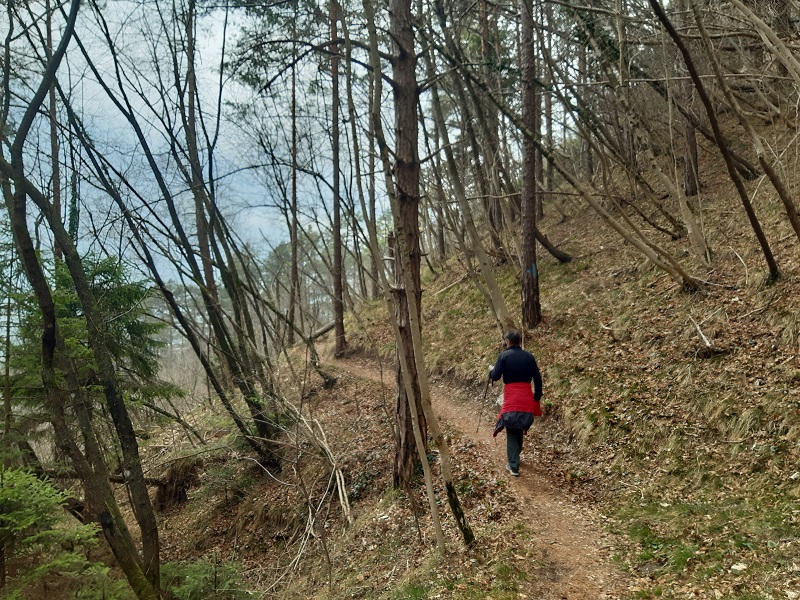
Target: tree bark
{"points": [[405, 207], [404, 443], [691, 177], [294, 275], [52, 111], [340, 343], [586, 160], [691, 169], [401, 19], [490, 58], [406, 181], [531, 307]]}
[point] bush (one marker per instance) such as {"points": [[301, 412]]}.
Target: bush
{"points": [[37, 538], [202, 580]]}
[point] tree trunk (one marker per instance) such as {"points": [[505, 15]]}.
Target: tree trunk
{"points": [[405, 207], [404, 448], [53, 116], [376, 266], [536, 122], [7, 417], [531, 308], [294, 275], [691, 177], [406, 180], [400, 20], [489, 56], [338, 271], [586, 159], [691, 169], [439, 202], [549, 181]]}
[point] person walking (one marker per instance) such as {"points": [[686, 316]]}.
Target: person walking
{"points": [[518, 368]]}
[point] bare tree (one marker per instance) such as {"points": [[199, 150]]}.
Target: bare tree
{"points": [[772, 265], [142, 570], [337, 271], [769, 169]]}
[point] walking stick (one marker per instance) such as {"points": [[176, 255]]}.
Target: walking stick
{"points": [[483, 404]]}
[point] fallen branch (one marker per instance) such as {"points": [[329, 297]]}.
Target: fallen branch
{"points": [[154, 481], [322, 331], [703, 337], [452, 285]]}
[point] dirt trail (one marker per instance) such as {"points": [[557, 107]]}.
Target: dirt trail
{"points": [[573, 548]]}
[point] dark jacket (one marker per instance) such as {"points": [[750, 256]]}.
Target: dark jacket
{"points": [[518, 369], [516, 365]]}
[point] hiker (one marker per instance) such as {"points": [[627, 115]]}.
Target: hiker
{"points": [[518, 368]]}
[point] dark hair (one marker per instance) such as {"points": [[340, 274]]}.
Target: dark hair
{"points": [[514, 337]]}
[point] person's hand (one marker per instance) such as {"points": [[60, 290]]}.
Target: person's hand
{"points": [[537, 407]]}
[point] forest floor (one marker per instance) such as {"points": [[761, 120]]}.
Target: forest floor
{"points": [[569, 535]]}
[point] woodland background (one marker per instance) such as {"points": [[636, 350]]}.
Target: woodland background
{"points": [[212, 208]]}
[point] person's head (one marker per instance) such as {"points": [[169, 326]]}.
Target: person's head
{"points": [[513, 337]]}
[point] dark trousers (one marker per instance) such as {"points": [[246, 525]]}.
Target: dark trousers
{"points": [[513, 446]]}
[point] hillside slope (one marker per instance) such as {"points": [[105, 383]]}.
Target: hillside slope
{"points": [[669, 439], [678, 412]]}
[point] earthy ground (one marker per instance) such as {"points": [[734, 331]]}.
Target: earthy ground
{"points": [[573, 547]]}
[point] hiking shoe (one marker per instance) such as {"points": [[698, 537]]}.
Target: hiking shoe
{"points": [[514, 473]]}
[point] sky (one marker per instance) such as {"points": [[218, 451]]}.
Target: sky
{"points": [[245, 194]]}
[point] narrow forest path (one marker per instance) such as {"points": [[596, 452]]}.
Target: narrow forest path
{"points": [[573, 547]]}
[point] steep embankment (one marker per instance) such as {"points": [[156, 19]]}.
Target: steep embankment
{"points": [[677, 411]]}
